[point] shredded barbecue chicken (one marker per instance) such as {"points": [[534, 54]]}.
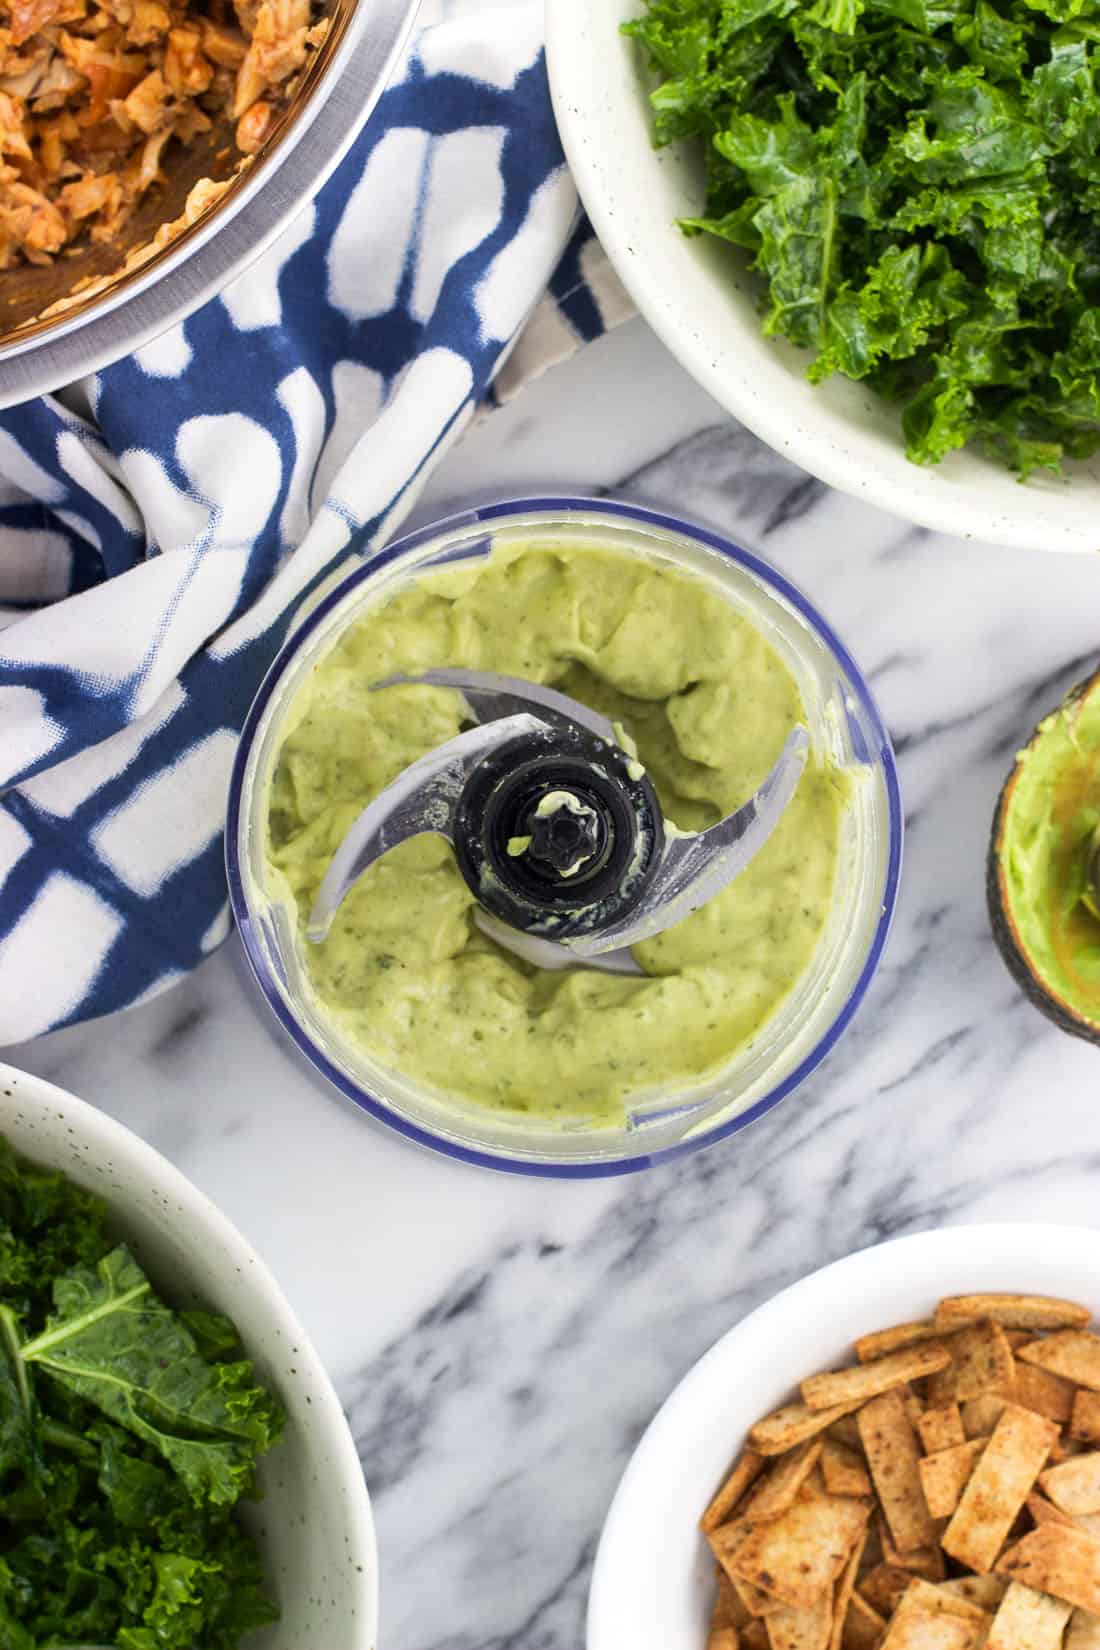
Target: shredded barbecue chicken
{"points": [[93, 92]]}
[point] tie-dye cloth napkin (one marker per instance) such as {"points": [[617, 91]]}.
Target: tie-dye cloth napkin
{"points": [[161, 522]]}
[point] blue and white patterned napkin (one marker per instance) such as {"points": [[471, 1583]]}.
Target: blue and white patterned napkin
{"points": [[161, 522]]}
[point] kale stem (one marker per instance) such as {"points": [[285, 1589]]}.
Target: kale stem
{"points": [[62, 1437], [74, 1326], [13, 1341]]}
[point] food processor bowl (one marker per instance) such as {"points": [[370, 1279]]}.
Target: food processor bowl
{"points": [[845, 726]]}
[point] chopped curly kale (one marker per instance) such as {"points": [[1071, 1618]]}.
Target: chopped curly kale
{"points": [[918, 182], [128, 1435]]}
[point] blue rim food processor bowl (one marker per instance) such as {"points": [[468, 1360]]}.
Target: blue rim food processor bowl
{"points": [[844, 722]]}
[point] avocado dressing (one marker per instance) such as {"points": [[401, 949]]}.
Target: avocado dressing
{"points": [[701, 702], [1048, 853]]}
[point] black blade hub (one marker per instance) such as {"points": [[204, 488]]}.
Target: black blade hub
{"points": [[553, 836], [566, 832]]}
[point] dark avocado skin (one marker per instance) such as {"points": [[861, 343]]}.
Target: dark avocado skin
{"points": [[1004, 931]]}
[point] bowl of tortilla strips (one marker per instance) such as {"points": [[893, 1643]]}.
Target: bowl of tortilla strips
{"points": [[899, 1452]]}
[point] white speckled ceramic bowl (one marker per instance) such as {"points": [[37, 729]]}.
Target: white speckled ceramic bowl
{"points": [[653, 1580], [314, 1524], [699, 297]]}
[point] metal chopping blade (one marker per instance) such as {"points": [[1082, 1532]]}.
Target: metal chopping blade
{"points": [[557, 832]]}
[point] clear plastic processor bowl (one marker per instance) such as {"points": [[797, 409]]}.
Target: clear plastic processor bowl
{"points": [[843, 720]]}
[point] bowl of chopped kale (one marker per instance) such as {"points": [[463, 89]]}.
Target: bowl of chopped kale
{"points": [[870, 228], [175, 1469]]}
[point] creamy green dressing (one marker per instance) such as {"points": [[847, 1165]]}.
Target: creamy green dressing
{"points": [[405, 975], [1051, 815]]}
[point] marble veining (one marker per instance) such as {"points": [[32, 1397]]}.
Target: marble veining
{"points": [[500, 1344]]}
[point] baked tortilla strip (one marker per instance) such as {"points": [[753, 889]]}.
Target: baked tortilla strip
{"points": [[1074, 1486], [923, 1595], [722, 1638], [855, 1386], [884, 1586], [1047, 1394], [797, 1556], [777, 1491], [1027, 1620], [1083, 1632], [1055, 1559], [1085, 1419], [890, 1445], [754, 1635], [815, 1485], [842, 1596], [725, 1540], [1045, 1512], [872, 1550], [722, 1632], [941, 1428], [843, 1470], [746, 1469], [1013, 1311], [981, 1415], [924, 1603], [864, 1628], [998, 1487], [945, 1475], [930, 1630], [792, 1424], [724, 1543], [981, 1363], [806, 1629], [728, 1609], [882, 1341], [925, 1562], [845, 1431], [984, 1591], [755, 1603], [1071, 1353]]}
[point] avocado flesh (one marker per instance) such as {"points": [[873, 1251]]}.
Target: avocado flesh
{"points": [[1041, 901]]}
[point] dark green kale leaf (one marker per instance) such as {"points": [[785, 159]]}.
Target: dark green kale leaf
{"points": [[771, 155], [46, 1225], [209, 1601], [798, 229], [214, 1334], [918, 185], [127, 1435], [203, 1573], [112, 1343], [18, 1443], [993, 42]]}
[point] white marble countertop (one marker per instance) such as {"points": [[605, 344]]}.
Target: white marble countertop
{"points": [[500, 1343]]}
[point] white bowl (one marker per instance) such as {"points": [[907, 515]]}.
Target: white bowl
{"points": [[314, 1526], [653, 1580], [699, 298]]}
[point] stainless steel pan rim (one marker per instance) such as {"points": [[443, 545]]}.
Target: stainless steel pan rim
{"points": [[202, 263]]}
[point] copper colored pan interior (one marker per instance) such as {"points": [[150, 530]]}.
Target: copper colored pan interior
{"points": [[26, 290]]}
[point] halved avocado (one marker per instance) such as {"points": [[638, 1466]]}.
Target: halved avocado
{"points": [[1042, 854]]}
